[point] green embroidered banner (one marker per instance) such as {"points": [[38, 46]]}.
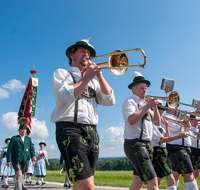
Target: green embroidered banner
{"points": [[34, 96]]}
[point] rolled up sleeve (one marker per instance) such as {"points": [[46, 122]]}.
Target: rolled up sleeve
{"points": [[62, 87]]}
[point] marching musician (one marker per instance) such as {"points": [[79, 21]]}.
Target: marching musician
{"points": [[195, 146], [77, 94], [160, 137], [139, 120], [179, 153], [19, 152]]}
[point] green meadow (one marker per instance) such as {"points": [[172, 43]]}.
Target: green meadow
{"points": [[111, 178]]}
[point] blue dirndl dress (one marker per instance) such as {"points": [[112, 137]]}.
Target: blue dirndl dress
{"points": [[4, 169], [30, 168], [40, 169]]}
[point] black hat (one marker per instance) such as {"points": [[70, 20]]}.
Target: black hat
{"points": [[42, 143], [7, 140], [85, 44], [193, 117], [139, 78]]}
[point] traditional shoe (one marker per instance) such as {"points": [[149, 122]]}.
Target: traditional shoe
{"points": [[7, 186], [26, 181], [37, 183], [3, 186], [43, 183], [30, 182]]}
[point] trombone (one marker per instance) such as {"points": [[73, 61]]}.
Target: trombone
{"points": [[184, 125], [173, 102], [118, 61]]}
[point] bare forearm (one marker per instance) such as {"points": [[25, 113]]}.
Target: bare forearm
{"points": [[136, 116], [105, 87], [79, 86], [168, 139], [156, 116]]}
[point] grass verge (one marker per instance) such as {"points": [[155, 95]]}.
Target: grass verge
{"points": [[111, 178]]}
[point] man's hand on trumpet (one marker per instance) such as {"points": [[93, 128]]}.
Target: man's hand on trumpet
{"points": [[91, 70], [152, 102]]}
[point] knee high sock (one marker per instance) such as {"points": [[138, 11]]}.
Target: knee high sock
{"points": [[171, 188], [42, 179], [38, 178], [176, 183], [3, 180], [192, 185]]}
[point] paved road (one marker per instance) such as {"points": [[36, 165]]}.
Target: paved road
{"points": [[55, 186]]}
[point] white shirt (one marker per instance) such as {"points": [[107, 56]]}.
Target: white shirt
{"points": [[193, 140], [175, 129], [62, 86], [157, 135], [22, 137], [130, 106]]}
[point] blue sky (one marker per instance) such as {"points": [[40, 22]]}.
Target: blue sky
{"points": [[40, 31]]}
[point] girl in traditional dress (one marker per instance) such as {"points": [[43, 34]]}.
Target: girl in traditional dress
{"points": [[5, 171], [40, 169]]}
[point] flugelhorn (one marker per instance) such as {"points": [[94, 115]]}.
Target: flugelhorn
{"points": [[118, 61], [184, 125]]}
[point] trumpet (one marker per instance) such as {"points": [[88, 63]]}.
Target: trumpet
{"points": [[118, 61], [184, 125]]}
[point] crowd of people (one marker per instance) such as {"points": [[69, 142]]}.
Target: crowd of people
{"points": [[155, 146], [20, 161]]}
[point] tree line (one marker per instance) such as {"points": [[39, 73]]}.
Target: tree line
{"points": [[103, 165]]}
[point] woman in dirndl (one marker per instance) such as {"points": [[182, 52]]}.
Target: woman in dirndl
{"points": [[5, 171], [40, 169]]}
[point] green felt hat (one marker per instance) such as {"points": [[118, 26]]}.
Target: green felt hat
{"points": [[161, 108], [7, 140], [23, 126], [139, 78], [85, 44]]}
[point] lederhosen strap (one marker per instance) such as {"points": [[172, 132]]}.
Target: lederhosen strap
{"points": [[76, 103], [88, 92], [145, 115], [197, 143]]}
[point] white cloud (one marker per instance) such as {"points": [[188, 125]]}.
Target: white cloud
{"points": [[52, 147], [38, 128], [113, 137], [14, 86], [9, 122], [4, 93]]}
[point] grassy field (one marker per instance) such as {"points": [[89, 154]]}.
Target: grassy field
{"points": [[111, 178]]}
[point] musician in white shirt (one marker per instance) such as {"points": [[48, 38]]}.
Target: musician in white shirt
{"points": [[179, 153], [139, 120], [195, 146], [77, 95]]}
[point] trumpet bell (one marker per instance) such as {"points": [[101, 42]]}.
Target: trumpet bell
{"points": [[118, 60], [173, 96]]}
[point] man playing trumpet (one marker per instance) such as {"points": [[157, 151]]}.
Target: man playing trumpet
{"points": [[139, 120]]}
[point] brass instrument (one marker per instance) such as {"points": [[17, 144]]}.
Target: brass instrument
{"points": [[118, 61], [173, 102], [184, 125]]}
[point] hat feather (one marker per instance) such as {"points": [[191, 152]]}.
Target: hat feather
{"points": [[23, 120], [136, 74]]}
